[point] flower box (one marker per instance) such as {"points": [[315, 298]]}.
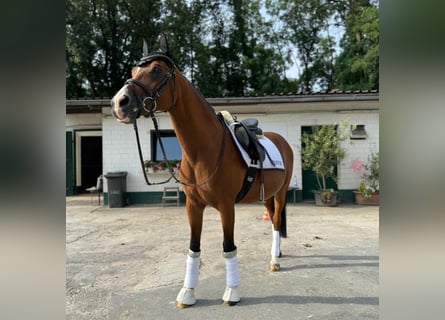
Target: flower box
{"points": [[159, 172], [161, 167], [373, 200]]}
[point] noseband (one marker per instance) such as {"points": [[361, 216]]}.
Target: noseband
{"points": [[151, 95]]}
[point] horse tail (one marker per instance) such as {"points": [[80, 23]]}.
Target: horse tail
{"points": [[283, 226]]}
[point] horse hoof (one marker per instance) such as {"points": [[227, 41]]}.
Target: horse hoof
{"points": [[185, 298], [183, 306], [229, 303], [274, 267], [231, 296]]}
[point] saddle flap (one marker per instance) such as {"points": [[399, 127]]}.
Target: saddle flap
{"points": [[242, 136], [248, 140]]}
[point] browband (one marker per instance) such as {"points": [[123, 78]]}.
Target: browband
{"points": [[155, 56]]}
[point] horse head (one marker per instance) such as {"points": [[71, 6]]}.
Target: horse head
{"points": [[141, 95]]}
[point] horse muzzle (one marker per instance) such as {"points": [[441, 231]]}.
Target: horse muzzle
{"points": [[124, 106]]}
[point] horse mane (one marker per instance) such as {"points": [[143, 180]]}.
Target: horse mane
{"points": [[199, 94]]}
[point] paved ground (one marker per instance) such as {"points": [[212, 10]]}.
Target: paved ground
{"points": [[129, 263]]}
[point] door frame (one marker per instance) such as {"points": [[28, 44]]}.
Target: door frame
{"points": [[308, 178], [78, 134]]}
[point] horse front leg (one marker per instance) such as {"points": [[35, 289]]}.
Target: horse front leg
{"points": [[231, 294], [186, 296]]}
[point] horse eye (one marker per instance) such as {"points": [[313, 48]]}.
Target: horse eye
{"points": [[157, 69]]}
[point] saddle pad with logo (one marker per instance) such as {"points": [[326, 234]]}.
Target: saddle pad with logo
{"points": [[268, 145]]}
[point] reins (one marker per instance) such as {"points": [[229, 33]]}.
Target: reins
{"points": [[141, 158], [164, 155]]}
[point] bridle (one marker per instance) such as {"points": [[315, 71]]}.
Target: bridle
{"points": [[152, 95]]}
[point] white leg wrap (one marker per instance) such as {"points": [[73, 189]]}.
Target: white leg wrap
{"points": [[275, 251], [231, 296], [192, 272], [186, 297], [274, 260], [232, 273]]}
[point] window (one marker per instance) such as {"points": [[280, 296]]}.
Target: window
{"points": [[359, 132], [171, 145]]}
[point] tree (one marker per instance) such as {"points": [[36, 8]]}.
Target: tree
{"points": [[357, 67], [303, 24], [226, 47], [104, 39], [235, 58], [322, 150]]}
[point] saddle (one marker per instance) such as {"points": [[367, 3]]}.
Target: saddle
{"points": [[247, 133]]}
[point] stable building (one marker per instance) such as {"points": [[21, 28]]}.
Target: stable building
{"points": [[97, 144]]}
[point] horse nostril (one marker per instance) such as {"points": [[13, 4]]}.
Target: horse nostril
{"points": [[124, 101]]}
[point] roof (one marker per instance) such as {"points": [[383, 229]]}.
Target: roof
{"points": [[264, 102]]}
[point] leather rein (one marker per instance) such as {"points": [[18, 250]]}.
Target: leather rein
{"points": [[151, 96]]}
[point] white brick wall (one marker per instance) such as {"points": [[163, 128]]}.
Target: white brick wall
{"points": [[289, 125], [120, 150]]}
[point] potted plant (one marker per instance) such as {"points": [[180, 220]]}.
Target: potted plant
{"points": [[368, 190], [321, 152]]}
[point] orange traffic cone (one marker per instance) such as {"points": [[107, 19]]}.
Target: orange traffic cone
{"points": [[266, 215]]}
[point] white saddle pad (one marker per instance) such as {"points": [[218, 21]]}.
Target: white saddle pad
{"points": [[268, 145]]}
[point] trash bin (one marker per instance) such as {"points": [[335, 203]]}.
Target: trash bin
{"points": [[117, 188]]}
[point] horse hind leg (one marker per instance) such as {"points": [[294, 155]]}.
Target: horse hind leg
{"points": [[275, 252], [275, 210]]}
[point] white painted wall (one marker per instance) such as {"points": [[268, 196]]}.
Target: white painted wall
{"points": [[83, 121], [120, 150], [289, 125]]}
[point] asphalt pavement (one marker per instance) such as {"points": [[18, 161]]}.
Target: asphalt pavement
{"points": [[129, 263]]}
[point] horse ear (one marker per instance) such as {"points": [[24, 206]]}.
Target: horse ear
{"points": [[145, 49], [164, 44]]}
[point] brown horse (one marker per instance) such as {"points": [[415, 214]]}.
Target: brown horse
{"points": [[212, 170]]}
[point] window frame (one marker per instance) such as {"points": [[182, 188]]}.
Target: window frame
{"points": [[359, 132], [165, 133]]}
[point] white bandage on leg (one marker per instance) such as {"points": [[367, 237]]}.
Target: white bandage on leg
{"points": [[232, 272], [192, 271], [275, 251]]}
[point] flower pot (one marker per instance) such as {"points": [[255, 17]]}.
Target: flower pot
{"points": [[371, 201], [326, 199]]}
